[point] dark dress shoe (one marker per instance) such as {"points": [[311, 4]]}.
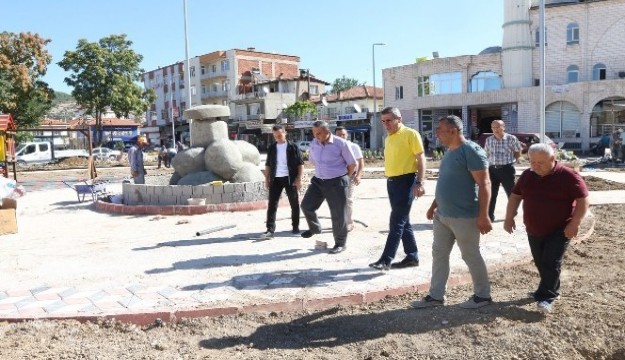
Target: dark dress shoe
{"points": [[306, 234], [380, 265], [337, 249], [295, 231], [407, 262]]}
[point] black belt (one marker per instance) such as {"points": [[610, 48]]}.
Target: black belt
{"points": [[391, 178], [338, 177], [501, 166]]}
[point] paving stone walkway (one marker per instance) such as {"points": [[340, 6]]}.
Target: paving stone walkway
{"points": [[70, 261]]}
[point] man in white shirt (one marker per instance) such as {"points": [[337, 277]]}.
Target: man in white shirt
{"points": [[341, 132], [283, 170]]}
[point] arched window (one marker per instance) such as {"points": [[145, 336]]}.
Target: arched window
{"points": [[598, 72], [572, 74], [572, 34], [485, 81], [538, 37]]}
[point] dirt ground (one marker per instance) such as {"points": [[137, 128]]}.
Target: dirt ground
{"points": [[586, 322]]}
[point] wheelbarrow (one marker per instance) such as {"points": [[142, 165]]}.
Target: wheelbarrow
{"points": [[87, 187]]}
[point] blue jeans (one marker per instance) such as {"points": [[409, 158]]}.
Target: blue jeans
{"points": [[400, 196]]}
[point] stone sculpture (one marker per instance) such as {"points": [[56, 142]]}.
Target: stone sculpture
{"points": [[213, 156]]}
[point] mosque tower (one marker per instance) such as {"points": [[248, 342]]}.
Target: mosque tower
{"points": [[517, 44]]}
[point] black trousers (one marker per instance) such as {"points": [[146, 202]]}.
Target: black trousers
{"points": [[548, 253], [275, 190], [499, 175], [334, 191]]}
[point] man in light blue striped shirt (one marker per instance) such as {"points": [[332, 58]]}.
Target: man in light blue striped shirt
{"points": [[503, 150]]}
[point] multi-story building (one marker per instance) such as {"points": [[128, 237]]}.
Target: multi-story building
{"points": [[584, 76], [354, 109], [219, 77]]}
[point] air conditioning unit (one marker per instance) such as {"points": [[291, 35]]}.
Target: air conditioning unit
{"points": [[621, 74]]}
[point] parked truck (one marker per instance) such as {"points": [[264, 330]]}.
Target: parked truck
{"points": [[42, 152]]}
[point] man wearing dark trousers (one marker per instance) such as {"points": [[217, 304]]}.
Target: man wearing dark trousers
{"points": [[334, 165], [283, 170], [503, 150], [555, 200], [404, 167]]}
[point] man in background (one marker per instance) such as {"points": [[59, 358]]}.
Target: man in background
{"points": [[135, 158], [503, 150], [341, 132]]}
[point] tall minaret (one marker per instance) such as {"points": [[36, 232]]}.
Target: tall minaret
{"points": [[517, 44]]}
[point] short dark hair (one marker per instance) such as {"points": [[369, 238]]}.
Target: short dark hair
{"points": [[277, 128], [339, 128], [453, 121], [321, 124]]}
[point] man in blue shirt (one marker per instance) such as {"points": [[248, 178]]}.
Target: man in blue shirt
{"points": [[460, 214], [334, 165]]}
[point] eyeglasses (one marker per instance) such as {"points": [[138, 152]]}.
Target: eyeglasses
{"points": [[387, 121]]}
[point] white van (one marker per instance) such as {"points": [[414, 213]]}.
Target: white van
{"points": [[41, 152]]}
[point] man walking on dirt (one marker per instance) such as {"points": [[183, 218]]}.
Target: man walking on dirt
{"points": [[135, 158], [283, 170], [503, 150], [460, 214], [555, 200], [341, 132], [404, 167]]}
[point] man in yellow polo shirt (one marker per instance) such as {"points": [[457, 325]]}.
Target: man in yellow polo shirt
{"points": [[404, 167]]}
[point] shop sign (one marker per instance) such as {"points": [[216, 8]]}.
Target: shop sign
{"points": [[354, 116]]}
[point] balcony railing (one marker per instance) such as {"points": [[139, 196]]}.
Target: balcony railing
{"points": [[214, 94]]}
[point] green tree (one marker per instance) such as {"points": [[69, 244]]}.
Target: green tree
{"points": [[105, 74], [301, 108], [23, 61], [61, 97], [344, 83]]}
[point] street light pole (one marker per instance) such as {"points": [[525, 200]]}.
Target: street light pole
{"points": [[542, 38], [188, 73], [373, 139]]}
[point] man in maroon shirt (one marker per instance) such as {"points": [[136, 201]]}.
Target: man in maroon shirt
{"points": [[555, 200]]}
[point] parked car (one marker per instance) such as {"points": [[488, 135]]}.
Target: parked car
{"points": [[41, 152], [303, 145], [526, 139], [104, 153]]}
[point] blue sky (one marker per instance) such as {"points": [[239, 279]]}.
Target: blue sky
{"points": [[332, 38]]}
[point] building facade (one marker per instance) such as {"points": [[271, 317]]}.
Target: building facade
{"points": [[219, 77], [584, 76], [353, 109]]}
